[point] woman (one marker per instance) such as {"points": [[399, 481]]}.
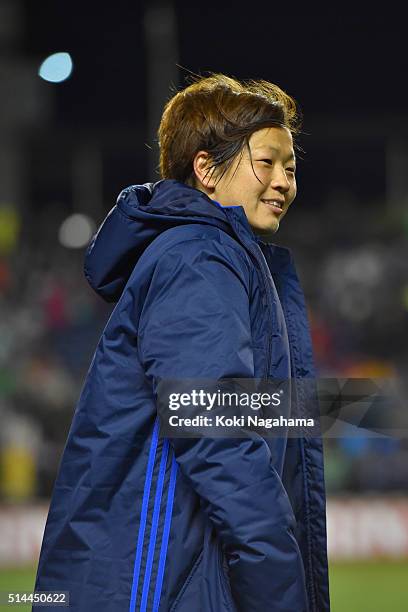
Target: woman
{"points": [[139, 522]]}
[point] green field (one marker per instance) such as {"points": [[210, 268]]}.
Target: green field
{"points": [[21, 579], [354, 587], [369, 587]]}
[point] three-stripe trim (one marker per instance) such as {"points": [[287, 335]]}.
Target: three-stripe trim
{"points": [[155, 525]]}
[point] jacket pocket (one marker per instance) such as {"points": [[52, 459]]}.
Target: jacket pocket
{"points": [[206, 588], [190, 591], [225, 583]]}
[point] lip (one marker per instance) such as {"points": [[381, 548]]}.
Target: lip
{"points": [[275, 209]]}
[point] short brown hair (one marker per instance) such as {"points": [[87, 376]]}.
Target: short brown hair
{"points": [[218, 114]]}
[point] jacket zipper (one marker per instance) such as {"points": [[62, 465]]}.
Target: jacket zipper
{"points": [[261, 260], [268, 300]]}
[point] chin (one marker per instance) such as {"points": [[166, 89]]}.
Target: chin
{"points": [[272, 229], [266, 232]]}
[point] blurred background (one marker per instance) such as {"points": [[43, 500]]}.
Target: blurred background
{"points": [[82, 89]]}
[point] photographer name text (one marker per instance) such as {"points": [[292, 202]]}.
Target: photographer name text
{"points": [[238, 421]]}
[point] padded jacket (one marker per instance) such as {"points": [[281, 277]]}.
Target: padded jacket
{"points": [[141, 522]]}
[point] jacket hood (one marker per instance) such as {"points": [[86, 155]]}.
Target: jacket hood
{"points": [[141, 213]]}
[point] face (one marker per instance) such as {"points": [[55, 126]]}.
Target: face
{"points": [[265, 201]]}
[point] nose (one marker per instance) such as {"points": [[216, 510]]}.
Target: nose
{"points": [[279, 180]]}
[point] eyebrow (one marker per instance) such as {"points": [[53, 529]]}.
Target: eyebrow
{"points": [[270, 147]]}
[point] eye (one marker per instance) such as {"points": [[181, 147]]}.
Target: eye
{"points": [[267, 161], [291, 169]]}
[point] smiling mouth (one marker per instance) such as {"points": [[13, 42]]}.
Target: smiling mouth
{"points": [[274, 205]]}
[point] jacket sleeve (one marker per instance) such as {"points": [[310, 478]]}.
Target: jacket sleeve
{"points": [[195, 323]]}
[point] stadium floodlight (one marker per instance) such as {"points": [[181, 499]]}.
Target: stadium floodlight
{"points": [[76, 231], [56, 67]]}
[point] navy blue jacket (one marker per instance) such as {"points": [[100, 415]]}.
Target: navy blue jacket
{"points": [[140, 522]]}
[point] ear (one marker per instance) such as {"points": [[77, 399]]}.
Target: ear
{"points": [[204, 176]]}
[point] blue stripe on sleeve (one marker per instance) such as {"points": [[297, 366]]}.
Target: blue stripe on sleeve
{"points": [[143, 516]]}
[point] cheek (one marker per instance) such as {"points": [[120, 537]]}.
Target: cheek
{"points": [[293, 191]]}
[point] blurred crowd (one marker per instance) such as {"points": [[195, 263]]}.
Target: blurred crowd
{"points": [[50, 324], [357, 296], [352, 260]]}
